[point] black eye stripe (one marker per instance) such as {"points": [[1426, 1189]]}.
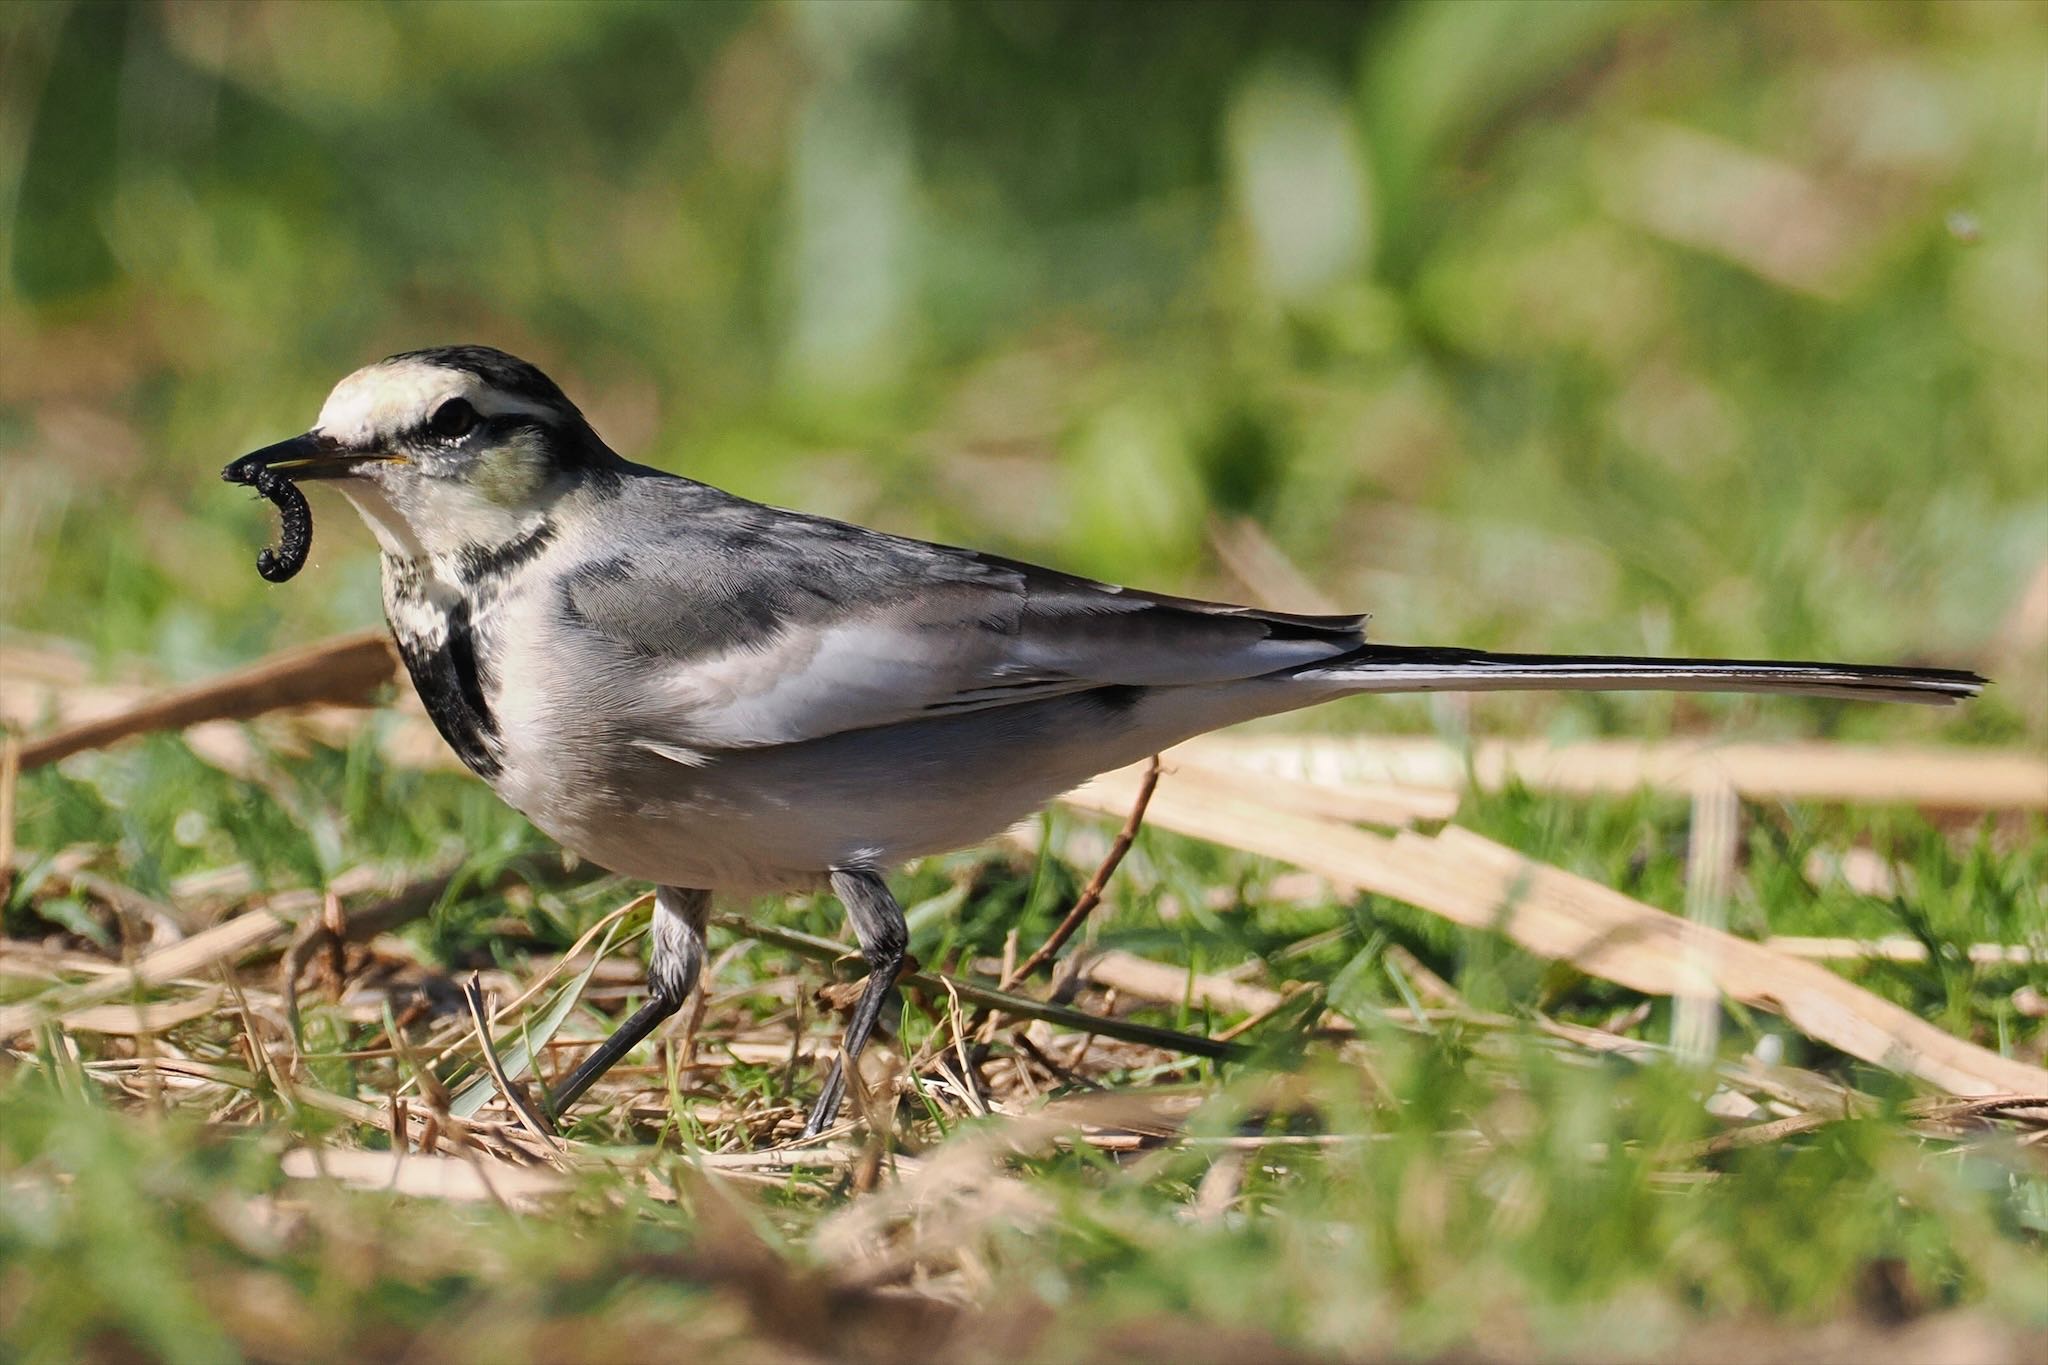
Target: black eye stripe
{"points": [[500, 422], [491, 423]]}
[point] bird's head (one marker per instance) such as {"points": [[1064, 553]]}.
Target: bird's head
{"points": [[445, 448]]}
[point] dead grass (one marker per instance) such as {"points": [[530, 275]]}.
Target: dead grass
{"points": [[1013, 1108]]}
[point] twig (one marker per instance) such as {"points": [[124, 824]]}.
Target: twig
{"points": [[1933, 1109], [1940, 778], [970, 1075], [348, 670], [431, 1089], [335, 921], [10, 777], [1552, 913], [226, 943], [686, 1049], [1899, 948], [1942, 1109], [985, 1019], [1295, 991], [1091, 895], [561, 963], [515, 1094], [330, 929], [222, 943], [1709, 871], [1045, 1059], [260, 1060], [464, 1178], [1262, 566], [440, 1050], [826, 950]]}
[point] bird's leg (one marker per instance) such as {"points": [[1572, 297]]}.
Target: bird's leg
{"points": [[671, 974], [885, 943]]}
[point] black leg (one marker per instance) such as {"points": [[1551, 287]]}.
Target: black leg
{"points": [[671, 974], [623, 1040], [884, 942]]}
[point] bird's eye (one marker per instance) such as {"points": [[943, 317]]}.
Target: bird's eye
{"points": [[453, 420]]}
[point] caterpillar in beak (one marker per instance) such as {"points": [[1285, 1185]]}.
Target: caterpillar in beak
{"points": [[295, 520]]}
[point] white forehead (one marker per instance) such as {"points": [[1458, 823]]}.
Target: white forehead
{"points": [[395, 396]]}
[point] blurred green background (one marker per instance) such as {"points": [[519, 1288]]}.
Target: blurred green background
{"points": [[1644, 327], [1623, 326]]}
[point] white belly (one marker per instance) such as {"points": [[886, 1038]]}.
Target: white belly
{"points": [[782, 817]]}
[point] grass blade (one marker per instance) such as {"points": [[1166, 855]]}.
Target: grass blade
{"points": [[519, 1057]]}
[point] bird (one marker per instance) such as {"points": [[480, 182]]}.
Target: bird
{"points": [[721, 697]]}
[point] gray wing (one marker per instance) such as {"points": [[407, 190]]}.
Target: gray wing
{"points": [[742, 625]]}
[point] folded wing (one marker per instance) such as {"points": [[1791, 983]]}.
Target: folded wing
{"points": [[760, 627]]}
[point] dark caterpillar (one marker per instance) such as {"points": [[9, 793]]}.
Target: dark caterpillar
{"points": [[295, 539]]}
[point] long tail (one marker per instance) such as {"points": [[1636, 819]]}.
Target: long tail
{"points": [[1422, 668]]}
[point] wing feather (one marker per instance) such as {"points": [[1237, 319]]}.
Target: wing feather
{"points": [[755, 626]]}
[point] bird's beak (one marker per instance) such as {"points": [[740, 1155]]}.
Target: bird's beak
{"points": [[311, 456]]}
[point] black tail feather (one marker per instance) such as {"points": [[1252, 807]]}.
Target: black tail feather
{"points": [[1425, 668]]}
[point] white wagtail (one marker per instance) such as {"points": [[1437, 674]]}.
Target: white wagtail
{"points": [[713, 695]]}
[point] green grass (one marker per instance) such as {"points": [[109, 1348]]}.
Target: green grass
{"points": [[1471, 1188], [1493, 395]]}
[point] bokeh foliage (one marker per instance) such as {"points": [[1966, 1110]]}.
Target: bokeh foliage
{"points": [[1632, 326]]}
